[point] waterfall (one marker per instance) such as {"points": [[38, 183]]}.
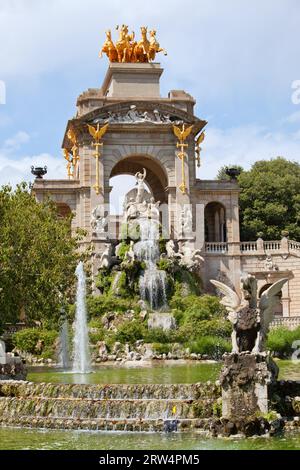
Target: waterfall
{"points": [[81, 361], [115, 284], [152, 281], [64, 359]]}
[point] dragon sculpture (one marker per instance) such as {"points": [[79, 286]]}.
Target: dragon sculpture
{"points": [[250, 317]]}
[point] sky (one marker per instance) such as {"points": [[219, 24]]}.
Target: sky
{"points": [[238, 58]]}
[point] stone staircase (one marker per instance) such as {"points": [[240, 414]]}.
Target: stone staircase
{"points": [[106, 407]]}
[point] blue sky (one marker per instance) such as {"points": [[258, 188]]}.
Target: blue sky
{"points": [[238, 58]]}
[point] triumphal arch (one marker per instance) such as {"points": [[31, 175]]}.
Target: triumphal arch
{"points": [[126, 127]]}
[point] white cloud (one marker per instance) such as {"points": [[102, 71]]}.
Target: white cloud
{"points": [[14, 171], [243, 146], [293, 118], [15, 142]]}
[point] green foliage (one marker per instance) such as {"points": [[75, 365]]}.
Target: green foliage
{"points": [[178, 315], [122, 290], [161, 348], [162, 244], [37, 258], [124, 247], [185, 284], [210, 345], [130, 332], [217, 408], [193, 329], [164, 264], [270, 200], [280, 340], [270, 416], [95, 322], [103, 280], [203, 307], [199, 316], [95, 337], [132, 271], [221, 175], [98, 306], [216, 327], [26, 340], [158, 335]]}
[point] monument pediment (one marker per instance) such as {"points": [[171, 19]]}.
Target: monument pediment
{"points": [[138, 113], [134, 113]]}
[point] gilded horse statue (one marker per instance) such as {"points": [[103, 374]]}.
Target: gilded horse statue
{"points": [[125, 44], [109, 48], [141, 51], [154, 46]]}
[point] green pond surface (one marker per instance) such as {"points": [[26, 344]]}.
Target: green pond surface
{"points": [[30, 439], [154, 373]]}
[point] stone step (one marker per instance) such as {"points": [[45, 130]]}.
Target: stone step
{"points": [[128, 425], [105, 407], [94, 409]]}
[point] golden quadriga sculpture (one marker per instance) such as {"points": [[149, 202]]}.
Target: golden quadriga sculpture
{"points": [[127, 49]]}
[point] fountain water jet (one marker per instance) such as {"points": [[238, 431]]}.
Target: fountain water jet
{"points": [[64, 358], [81, 360]]}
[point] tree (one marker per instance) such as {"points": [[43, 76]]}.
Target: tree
{"points": [[222, 175], [38, 258], [270, 200]]}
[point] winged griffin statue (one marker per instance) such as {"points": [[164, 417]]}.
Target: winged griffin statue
{"points": [[250, 317]]}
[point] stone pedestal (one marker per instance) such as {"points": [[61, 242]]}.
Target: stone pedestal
{"points": [[246, 381], [126, 80]]}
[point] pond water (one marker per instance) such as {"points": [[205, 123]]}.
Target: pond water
{"points": [[153, 373], [32, 439]]}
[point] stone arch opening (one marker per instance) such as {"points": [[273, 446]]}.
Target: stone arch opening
{"points": [[278, 308], [63, 210], [156, 179], [215, 222]]}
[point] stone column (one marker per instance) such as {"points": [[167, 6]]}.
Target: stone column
{"points": [[172, 211], [285, 300], [260, 247], [217, 226], [200, 227]]}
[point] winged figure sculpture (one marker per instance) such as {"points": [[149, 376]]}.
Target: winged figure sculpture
{"points": [[182, 134], [97, 132], [250, 317]]}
